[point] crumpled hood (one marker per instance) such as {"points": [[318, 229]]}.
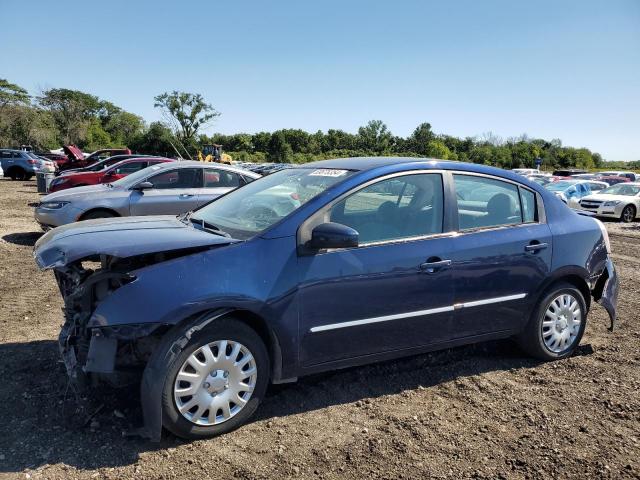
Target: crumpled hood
{"points": [[119, 237]]}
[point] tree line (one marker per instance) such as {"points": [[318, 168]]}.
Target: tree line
{"points": [[61, 116]]}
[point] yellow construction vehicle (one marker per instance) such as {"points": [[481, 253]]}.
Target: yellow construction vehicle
{"points": [[213, 153]]}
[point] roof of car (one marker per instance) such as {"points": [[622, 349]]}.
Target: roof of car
{"points": [[366, 163], [195, 163]]}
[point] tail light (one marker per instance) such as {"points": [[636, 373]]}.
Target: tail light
{"points": [[33, 162]]}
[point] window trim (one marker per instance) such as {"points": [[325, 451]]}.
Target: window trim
{"points": [[175, 169], [539, 204], [241, 181], [313, 220], [115, 170]]}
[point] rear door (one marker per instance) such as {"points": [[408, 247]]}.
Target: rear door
{"points": [[501, 255], [174, 192], [217, 181]]}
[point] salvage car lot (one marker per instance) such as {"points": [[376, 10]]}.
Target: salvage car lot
{"points": [[483, 410]]}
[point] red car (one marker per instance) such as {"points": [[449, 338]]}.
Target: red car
{"points": [[613, 179], [108, 175], [76, 159]]}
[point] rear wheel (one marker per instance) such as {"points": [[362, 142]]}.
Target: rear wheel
{"points": [[628, 214], [98, 214], [216, 382], [557, 325]]}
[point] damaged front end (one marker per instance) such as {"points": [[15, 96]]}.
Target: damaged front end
{"points": [[115, 354], [92, 260]]}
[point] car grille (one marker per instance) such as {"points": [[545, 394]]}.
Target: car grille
{"points": [[590, 204]]}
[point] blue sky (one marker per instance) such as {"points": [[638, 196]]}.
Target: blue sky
{"points": [[565, 69]]}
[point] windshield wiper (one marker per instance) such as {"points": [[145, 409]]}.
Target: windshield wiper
{"points": [[209, 227]]}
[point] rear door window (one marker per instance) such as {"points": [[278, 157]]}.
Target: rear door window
{"points": [[180, 178], [217, 177], [485, 202]]}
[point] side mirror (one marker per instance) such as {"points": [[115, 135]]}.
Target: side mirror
{"points": [[333, 235], [143, 186]]}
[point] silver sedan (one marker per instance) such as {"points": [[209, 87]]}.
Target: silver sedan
{"points": [[163, 189]]}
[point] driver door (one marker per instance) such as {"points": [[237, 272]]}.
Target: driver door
{"points": [[392, 292], [174, 192]]}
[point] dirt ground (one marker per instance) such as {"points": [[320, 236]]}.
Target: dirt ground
{"points": [[483, 411]]}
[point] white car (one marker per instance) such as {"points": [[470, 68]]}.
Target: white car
{"points": [[525, 171], [621, 200], [1, 172]]}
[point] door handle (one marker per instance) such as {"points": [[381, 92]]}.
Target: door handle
{"points": [[434, 266], [185, 195], [534, 247]]}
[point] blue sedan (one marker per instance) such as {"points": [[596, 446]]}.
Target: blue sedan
{"points": [[319, 267]]}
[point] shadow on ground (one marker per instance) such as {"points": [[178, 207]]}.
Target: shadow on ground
{"points": [[45, 421], [28, 239]]}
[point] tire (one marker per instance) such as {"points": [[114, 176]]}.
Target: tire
{"points": [[175, 392], [98, 214], [537, 338], [628, 214], [17, 173]]}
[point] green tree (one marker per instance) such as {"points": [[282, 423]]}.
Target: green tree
{"points": [[279, 150], [12, 94], [185, 112], [437, 149], [375, 136], [123, 127], [419, 140], [72, 111], [156, 140], [96, 137]]}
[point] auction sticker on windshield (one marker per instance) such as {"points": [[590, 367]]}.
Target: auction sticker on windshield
{"points": [[327, 172]]}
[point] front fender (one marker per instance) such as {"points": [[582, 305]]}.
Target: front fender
{"points": [[152, 382]]}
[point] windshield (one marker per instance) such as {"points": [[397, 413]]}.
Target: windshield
{"points": [[559, 186], [621, 189], [97, 166], [255, 207]]}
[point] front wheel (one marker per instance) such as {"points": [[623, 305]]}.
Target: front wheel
{"points": [[557, 325], [97, 214], [216, 382], [628, 214]]}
